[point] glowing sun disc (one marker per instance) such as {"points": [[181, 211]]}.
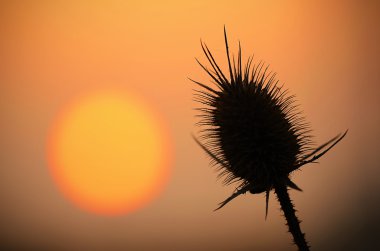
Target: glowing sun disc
{"points": [[109, 153]]}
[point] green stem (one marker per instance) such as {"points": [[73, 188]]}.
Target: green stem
{"points": [[291, 218]]}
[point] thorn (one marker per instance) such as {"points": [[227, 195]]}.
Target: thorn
{"points": [[233, 196], [291, 184], [334, 141]]}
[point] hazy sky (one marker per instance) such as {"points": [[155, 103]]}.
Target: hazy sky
{"points": [[52, 52]]}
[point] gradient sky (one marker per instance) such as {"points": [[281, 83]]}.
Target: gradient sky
{"points": [[326, 53]]}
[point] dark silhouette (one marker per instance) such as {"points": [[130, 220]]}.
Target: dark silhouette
{"points": [[254, 133]]}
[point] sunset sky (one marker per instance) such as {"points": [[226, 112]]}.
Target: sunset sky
{"points": [[62, 59]]}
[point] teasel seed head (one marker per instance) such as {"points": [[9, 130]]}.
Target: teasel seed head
{"points": [[251, 127]]}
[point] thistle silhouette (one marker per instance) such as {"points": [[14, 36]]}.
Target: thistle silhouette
{"points": [[255, 134]]}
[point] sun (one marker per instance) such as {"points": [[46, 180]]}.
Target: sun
{"points": [[109, 153]]}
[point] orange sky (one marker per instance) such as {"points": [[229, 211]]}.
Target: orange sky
{"points": [[52, 52]]}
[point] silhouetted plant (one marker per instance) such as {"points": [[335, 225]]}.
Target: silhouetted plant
{"points": [[254, 133]]}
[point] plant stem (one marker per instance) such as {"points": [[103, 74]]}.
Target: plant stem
{"points": [[291, 218]]}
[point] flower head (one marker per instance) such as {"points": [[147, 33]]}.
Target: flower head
{"points": [[251, 127]]}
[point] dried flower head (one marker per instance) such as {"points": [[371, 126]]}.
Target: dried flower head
{"points": [[253, 131]]}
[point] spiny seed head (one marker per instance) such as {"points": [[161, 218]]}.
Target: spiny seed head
{"points": [[254, 129], [254, 132]]}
